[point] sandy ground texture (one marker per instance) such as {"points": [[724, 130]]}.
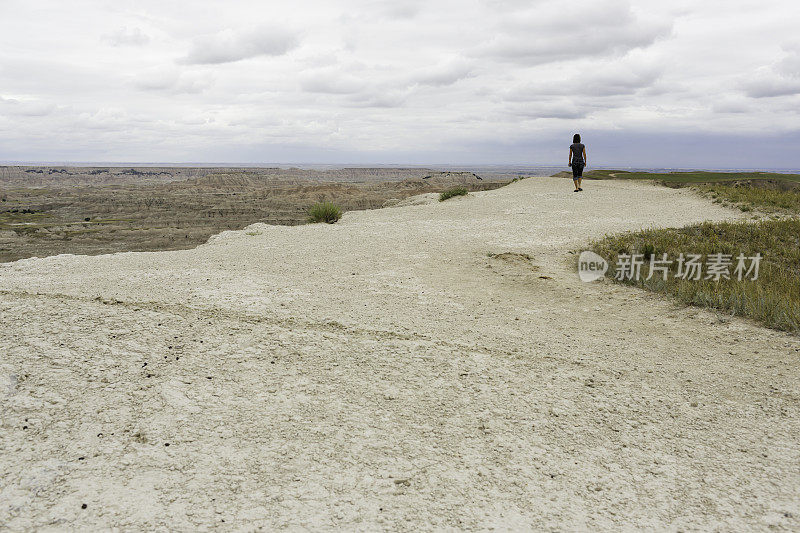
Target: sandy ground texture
{"points": [[386, 372]]}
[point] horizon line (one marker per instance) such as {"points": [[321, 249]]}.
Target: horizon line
{"points": [[308, 165]]}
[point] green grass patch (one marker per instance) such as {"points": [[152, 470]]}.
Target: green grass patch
{"points": [[453, 191], [21, 223], [324, 212], [18, 217], [773, 299]]}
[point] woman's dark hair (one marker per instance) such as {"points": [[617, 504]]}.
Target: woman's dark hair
{"points": [[576, 138]]}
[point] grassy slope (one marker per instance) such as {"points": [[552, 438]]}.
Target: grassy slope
{"points": [[753, 198], [693, 177], [774, 298]]}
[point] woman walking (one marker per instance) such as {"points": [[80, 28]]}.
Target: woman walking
{"points": [[577, 160]]}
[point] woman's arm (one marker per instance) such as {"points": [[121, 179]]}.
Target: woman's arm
{"points": [[585, 161], [570, 157]]}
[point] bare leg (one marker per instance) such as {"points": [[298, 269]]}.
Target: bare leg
{"points": [[576, 184], [579, 182]]}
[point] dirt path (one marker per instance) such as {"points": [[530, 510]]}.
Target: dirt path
{"points": [[386, 372]]}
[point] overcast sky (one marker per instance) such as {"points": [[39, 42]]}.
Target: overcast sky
{"points": [[664, 83]]}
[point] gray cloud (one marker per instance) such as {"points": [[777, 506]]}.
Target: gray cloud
{"points": [[229, 45], [400, 10], [559, 32], [444, 74], [730, 105], [378, 98], [616, 82], [172, 81], [25, 108], [126, 37], [331, 81], [392, 10], [772, 86], [605, 79], [543, 110], [780, 79], [359, 92], [790, 65]]}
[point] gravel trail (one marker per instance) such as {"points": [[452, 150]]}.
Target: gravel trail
{"points": [[431, 366]]}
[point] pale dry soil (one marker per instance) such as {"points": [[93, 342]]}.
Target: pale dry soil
{"points": [[386, 373]]}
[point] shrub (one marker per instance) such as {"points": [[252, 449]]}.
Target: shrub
{"points": [[324, 212], [454, 191]]}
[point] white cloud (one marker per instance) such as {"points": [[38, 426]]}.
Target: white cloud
{"points": [[562, 109], [767, 85], [780, 79], [231, 45], [616, 77], [25, 107], [398, 9], [171, 80], [126, 37], [379, 97], [733, 105], [554, 31], [331, 81], [444, 74]]}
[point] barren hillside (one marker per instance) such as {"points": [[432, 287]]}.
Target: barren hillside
{"points": [[49, 211]]}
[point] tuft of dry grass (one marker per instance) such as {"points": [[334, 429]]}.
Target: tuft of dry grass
{"points": [[324, 212], [454, 191]]}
